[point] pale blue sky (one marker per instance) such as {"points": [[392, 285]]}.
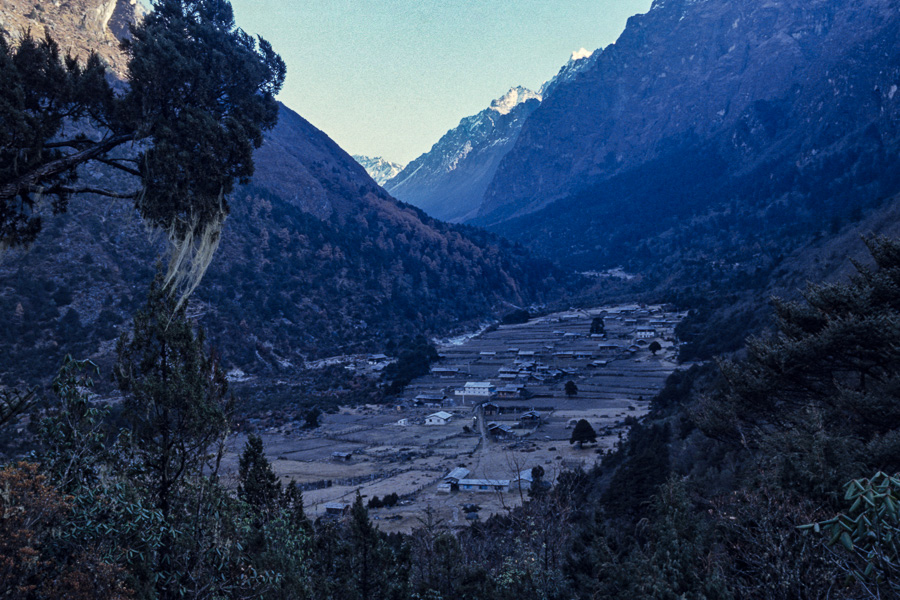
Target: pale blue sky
{"points": [[389, 77]]}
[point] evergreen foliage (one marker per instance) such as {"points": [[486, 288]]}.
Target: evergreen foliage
{"points": [[520, 315], [868, 532], [259, 486], [39, 92], [74, 436], [583, 433], [414, 360], [817, 403], [571, 388], [174, 395], [36, 563], [201, 92], [311, 418], [597, 326]]}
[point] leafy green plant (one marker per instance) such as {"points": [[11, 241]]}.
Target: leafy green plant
{"points": [[869, 531]]}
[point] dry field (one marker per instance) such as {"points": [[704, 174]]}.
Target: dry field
{"points": [[410, 460]]}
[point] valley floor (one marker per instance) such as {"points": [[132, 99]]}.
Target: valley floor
{"points": [[380, 450]]}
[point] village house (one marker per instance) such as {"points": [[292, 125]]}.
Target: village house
{"points": [[456, 474], [489, 409], [499, 431], [438, 418], [522, 482], [444, 372], [476, 388], [484, 485], [509, 392], [608, 349], [336, 509], [530, 419], [645, 333], [430, 400]]}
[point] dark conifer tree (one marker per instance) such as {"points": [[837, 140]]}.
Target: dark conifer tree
{"points": [[818, 402], [582, 433], [174, 394], [259, 486], [369, 566], [201, 93], [176, 410]]}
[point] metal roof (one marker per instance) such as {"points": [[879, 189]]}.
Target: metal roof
{"points": [[457, 473]]}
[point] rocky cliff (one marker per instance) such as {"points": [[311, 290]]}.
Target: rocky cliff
{"points": [[728, 130], [80, 26]]}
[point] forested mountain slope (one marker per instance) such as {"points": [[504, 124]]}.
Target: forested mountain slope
{"points": [[713, 138], [315, 258]]}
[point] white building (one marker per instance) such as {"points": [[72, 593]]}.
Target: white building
{"points": [[645, 333], [476, 388], [438, 418]]}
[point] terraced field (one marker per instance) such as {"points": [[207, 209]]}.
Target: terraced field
{"points": [[390, 449]]}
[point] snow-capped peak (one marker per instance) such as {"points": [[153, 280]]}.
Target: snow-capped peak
{"points": [[581, 53], [379, 169], [581, 59], [513, 98]]}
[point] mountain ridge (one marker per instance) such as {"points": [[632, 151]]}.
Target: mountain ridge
{"points": [[380, 169], [709, 127], [449, 181]]}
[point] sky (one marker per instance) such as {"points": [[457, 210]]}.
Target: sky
{"points": [[389, 77]]}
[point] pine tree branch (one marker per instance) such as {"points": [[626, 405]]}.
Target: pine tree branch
{"points": [[61, 189], [31, 181], [116, 162]]}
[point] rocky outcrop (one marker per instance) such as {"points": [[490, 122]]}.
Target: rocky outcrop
{"points": [[80, 26]]}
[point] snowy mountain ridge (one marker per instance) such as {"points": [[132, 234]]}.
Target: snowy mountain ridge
{"points": [[378, 168], [580, 60], [449, 181], [514, 97]]}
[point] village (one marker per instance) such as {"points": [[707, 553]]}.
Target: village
{"points": [[461, 442]]}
